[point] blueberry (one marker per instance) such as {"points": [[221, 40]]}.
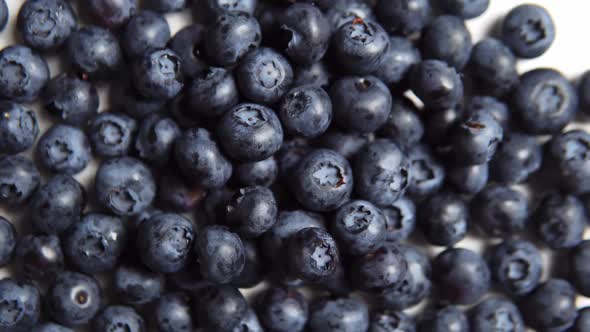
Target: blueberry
{"points": [[113, 14], [313, 254], [173, 313], [427, 173], [252, 211], [306, 33], [403, 17], [145, 30], [391, 321], [403, 125], [212, 94], [437, 85], [397, 62], [518, 157], [383, 268], [46, 24], [249, 323], [359, 227], [95, 52], [493, 67], [166, 6], [469, 179], [290, 155], [135, 285], [57, 204], [445, 319], [446, 38], [579, 269], [439, 124], [199, 159], [188, 44], [283, 310], [157, 74], [567, 159], [40, 257], [51, 327], [560, 220], [465, 9], [71, 100], [551, 307], [315, 74], [111, 134], [495, 314], [23, 74], [18, 128], [208, 10], [4, 14], [64, 149], [20, 306], [339, 315], [221, 308], [444, 219], [345, 11], [253, 272], [382, 172], [476, 138], [119, 317], [257, 173], [584, 92], [528, 30], [220, 254], [516, 266], [8, 243], [359, 47], [250, 132], [462, 276], [164, 242], [500, 211], [19, 179], [583, 322], [498, 109], [155, 139], [306, 110], [124, 185], [231, 37], [177, 195], [74, 298], [400, 220], [126, 99], [348, 144]]}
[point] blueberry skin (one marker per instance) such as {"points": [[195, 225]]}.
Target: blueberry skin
{"points": [[427, 173], [528, 30], [345, 143], [18, 128], [584, 92], [178, 195], [444, 219], [579, 271], [381, 172], [400, 220], [135, 285], [345, 11], [560, 220], [397, 62], [283, 310], [4, 14], [567, 161], [258, 173], [231, 37], [439, 124], [496, 314], [383, 268], [551, 307], [315, 74], [8, 241], [545, 101], [74, 298], [157, 74], [64, 149], [290, 155], [493, 67], [253, 272], [250, 132], [199, 159], [40, 257], [119, 317], [212, 94], [252, 211], [468, 179], [338, 315], [461, 275], [323, 181], [165, 240], [208, 10], [113, 14], [403, 17], [446, 38], [249, 323], [475, 140], [155, 139], [306, 111], [583, 322], [173, 313], [220, 253], [57, 204], [391, 321], [500, 211], [167, 6], [51, 327], [444, 319], [517, 158], [22, 305], [145, 30], [465, 9], [111, 134], [359, 47], [94, 52], [516, 266], [71, 100], [46, 24], [124, 185], [403, 125], [313, 254], [23, 74], [359, 227], [126, 99], [498, 109], [221, 308], [437, 85], [19, 179], [188, 44]]}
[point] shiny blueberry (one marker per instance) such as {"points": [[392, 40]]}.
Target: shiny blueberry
{"points": [[144, 31], [315, 74], [178, 195], [221, 308], [208, 10], [64, 149], [111, 134], [313, 254], [136, 285], [231, 37], [518, 157], [18, 128], [446, 38], [167, 6], [579, 270], [391, 321], [339, 315], [220, 254], [493, 67], [437, 85], [71, 100], [444, 319], [528, 30], [95, 52], [155, 139], [19, 179], [113, 14], [500, 211], [57, 204], [404, 124], [212, 94], [40, 257], [498, 109], [257, 173], [173, 313], [345, 11], [4, 14], [23, 74], [74, 299], [495, 313], [252, 211], [306, 111], [283, 310], [46, 24], [427, 172], [116, 317], [7, 241], [476, 138], [400, 220], [306, 33], [348, 144], [516, 266], [157, 74], [465, 9], [401, 56], [444, 219], [551, 307], [469, 179], [384, 268], [560, 220], [403, 17], [359, 227], [568, 160], [188, 44], [254, 269], [20, 306]]}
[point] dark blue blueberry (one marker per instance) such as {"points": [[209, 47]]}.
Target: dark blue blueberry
{"points": [[493, 67], [381, 269], [166, 6], [403, 125], [381, 172], [568, 161], [117, 317], [23, 74], [500, 211], [164, 241], [323, 4], [439, 124], [188, 44], [397, 62], [178, 195], [465, 9], [145, 30], [208, 10], [40, 257], [498, 109], [19, 179], [306, 111], [476, 138], [345, 11], [249, 323], [250, 132], [361, 103], [551, 307], [253, 272], [444, 219], [468, 179], [221, 308], [290, 155], [403, 17], [579, 267], [231, 37], [4, 14], [7, 241], [135, 285], [157, 74], [583, 322], [315, 74], [437, 85], [306, 33], [400, 220], [528, 30], [46, 24], [211, 94], [220, 254], [51, 327], [517, 158], [560, 220], [584, 92], [461, 275], [516, 266], [338, 315], [199, 159], [391, 321], [427, 173], [496, 314], [20, 306], [173, 313], [155, 139], [444, 319], [57, 204], [124, 185], [74, 299], [313, 254], [71, 100], [64, 149], [95, 52], [113, 13], [545, 101], [111, 134], [359, 227], [345, 143], [359, 47], [257, 173], [252, 211], [283, 310], [446, 38], [126, 99], [18, 128]]}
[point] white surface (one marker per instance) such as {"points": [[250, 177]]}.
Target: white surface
{"points": [[570, 54]]}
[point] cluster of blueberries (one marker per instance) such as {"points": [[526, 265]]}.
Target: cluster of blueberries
{"points": [[321, 146]]}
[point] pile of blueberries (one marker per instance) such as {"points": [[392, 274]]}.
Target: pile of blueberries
{"points": [[319, 149]]}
